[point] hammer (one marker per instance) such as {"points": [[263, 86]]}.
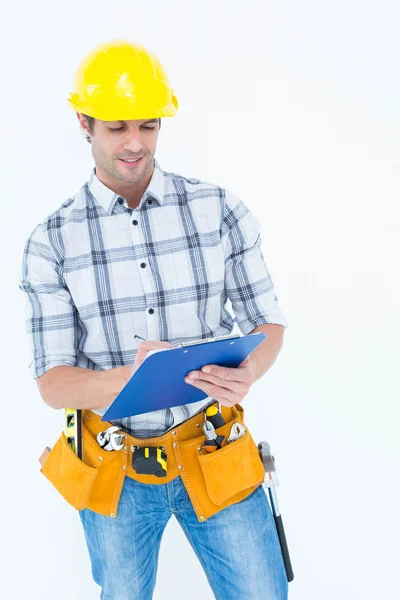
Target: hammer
{"points": [[270, 481]]}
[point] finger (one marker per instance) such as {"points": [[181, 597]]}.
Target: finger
{"points": [[237, 386], [145, 347], [227, 373], [215, 391], [153, 345]]}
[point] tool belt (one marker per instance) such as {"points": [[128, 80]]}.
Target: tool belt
{"points": [[213, 481]]}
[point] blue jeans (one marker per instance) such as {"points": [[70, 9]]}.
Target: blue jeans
{"points": [[238, 547]]}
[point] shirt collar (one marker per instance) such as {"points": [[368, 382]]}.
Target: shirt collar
{"points": [[107, 198]]}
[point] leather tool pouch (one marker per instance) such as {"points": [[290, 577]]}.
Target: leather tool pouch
{"points": [[93, 482], [233, 472], [232, 469], [69, 474]]}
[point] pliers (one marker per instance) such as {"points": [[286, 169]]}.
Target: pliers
{"points": [[213, 441]]}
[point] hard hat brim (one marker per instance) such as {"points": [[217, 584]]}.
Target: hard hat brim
{"points": [[112, 114]]}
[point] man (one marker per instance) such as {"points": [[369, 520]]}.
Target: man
{"points": [[139, 251]]}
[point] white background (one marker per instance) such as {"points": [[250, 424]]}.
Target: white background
{"points": [[295, 106]]}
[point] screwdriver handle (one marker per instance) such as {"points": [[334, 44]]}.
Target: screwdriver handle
{"points": [[215, 417]]}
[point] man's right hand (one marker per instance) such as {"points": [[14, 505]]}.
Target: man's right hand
{"points": [[143, 349], [77, 387]]}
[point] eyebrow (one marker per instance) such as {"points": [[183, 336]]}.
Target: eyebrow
{"points": [[150, 121]]}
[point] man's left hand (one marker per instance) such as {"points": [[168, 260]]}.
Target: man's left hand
{"points": [[227, 386]]}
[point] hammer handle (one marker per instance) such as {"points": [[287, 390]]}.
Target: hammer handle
{"points": [[284, 547]]}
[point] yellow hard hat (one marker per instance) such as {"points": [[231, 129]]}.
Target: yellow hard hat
{"points": [[121, 80]]}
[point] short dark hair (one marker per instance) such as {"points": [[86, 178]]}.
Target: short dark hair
{"points": [[91, 120]]}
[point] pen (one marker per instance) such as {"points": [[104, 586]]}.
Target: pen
{"points": [[139, 338]]}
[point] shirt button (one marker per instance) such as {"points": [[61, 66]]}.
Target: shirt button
{"points": [[143, 265], [149, 201], [151, 311], [134, 222], [121, 200]]}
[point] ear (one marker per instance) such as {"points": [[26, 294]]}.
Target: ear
{"points": [[83, 123]]}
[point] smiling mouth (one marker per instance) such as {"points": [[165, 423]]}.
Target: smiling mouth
{"points": [[130, 161]]}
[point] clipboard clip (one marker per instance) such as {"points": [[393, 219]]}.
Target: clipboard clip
{"points": [[207, 340]]}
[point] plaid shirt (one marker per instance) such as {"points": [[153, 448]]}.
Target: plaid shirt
{"points": [[95, 273]]}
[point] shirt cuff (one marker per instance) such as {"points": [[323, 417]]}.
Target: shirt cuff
{"points": [[39, 366], [274, 317]]}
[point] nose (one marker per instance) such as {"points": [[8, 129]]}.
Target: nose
{"points": [[132, 142]]}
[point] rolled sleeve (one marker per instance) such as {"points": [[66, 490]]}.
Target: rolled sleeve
{"points": [[50, 314], [248, 283]]}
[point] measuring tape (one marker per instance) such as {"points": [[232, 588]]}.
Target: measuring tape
{"points": [[150, 460]]}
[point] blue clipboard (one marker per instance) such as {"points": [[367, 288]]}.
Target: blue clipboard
{"points": [[159, 381]]}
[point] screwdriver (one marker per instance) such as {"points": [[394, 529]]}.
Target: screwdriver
{"points": [[214, 415]]}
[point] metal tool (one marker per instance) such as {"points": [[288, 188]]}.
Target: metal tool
{"points": [[270, 481], [237, 430], [213, 441], [110, 440]]}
